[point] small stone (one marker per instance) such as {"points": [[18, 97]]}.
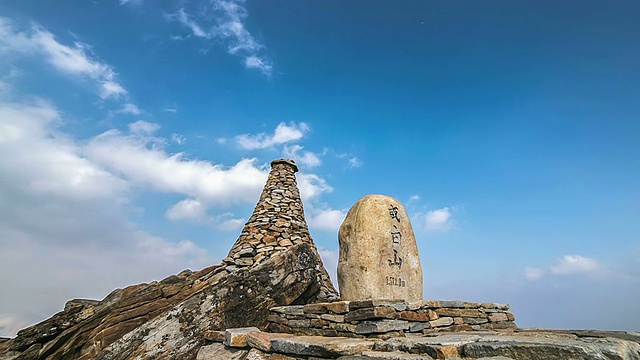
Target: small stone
{"points": [[314, 308], [497, 317], [255, 354], [246, 252], [333, 318], [418, 326], [262, 340], [443, 321], [338, 307], [237, 337], [381, 326], [214, 335], [378, 312], [474, 320], [413, 316]]}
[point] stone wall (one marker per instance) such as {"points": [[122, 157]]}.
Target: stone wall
{"points": [[386, 318]]}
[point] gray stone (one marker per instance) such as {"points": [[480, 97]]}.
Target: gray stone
{"points": [[219, 351], [237, 337], [321, 346], [381, 326], [378, 256], [443, 321], [546, 346], [394, 355]]}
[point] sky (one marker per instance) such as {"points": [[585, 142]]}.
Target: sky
{"points": [[136, 136]]}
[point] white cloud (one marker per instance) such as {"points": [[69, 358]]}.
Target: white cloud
{"points": [[130, 109], [178, 139], [575, 264], [311, 186], [228, 25], [531, 273], [354, 162], [188, 209], [283, 133], [186, 20], [143, 127], [330, 262], [195, 211], [171, 109], [325, 219], [141, 159], [73, 60], [307, 158], [255, 62], [438, 220], [63, 221]]}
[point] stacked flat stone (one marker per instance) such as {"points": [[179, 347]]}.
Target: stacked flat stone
{"points": [[388, 318], [277, 221]]}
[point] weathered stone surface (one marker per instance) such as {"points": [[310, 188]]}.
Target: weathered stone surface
{"points": [[378, 253], [237, 337], [378, 312], [262, 340], [255, 354], [224, 305], [393, 355], [545, 346], [321, 346], [219, 351], [381, 326]]}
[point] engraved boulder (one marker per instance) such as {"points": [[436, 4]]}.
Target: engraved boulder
{"points": [[378, 252]]}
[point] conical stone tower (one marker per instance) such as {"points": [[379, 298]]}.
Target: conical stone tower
{"points": [[277, 223]]}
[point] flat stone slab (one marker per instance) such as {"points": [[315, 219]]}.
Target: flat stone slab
{"points": [[331, 347]]}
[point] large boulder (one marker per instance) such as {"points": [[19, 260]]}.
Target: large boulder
{"points": [[378, 253]]}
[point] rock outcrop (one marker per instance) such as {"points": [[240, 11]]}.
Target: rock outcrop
{"points": [[274, 262]]}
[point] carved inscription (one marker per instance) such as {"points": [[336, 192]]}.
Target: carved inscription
{"points": [[393, 212], [396, 240], [396, 281]]}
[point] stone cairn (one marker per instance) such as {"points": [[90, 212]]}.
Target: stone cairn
{"points": [[276, 224]]}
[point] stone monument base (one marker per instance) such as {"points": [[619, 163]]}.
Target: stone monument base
{"points": [[388, 318]]}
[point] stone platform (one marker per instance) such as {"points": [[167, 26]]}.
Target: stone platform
{"points": [[388, 318], [521, 344]]}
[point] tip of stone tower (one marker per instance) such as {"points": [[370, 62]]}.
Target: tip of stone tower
{"points": [[289, 162]]}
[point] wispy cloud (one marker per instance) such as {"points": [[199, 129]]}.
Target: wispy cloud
{"points": [[352, 160], [568, 265], [326, 219], [283, 133], [440, 220], [130, 109], [228, 24], [306, 158], [575, 264], [73, 60], [532, 273]]}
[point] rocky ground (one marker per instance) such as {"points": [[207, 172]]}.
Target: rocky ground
{"points": [[523, 344]]}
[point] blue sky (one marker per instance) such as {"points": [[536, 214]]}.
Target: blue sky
{"points": [[136, 135]]}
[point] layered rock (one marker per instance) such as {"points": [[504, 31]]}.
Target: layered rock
{"points": [[388, 318], [274, 262]]}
